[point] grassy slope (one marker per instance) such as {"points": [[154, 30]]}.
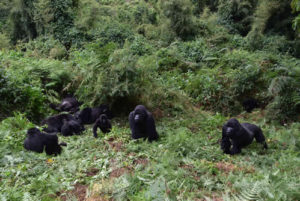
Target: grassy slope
{"points": [[185, 164]]}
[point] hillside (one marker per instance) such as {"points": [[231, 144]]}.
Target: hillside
{"points": [[191, 63]]}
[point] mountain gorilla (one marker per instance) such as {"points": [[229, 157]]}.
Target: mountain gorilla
{"points": [[249, 104], [71, 127], [68, 104], [103, 123], [90, 115], [142, 124], [56, 122], [240, 135], [38, 141]]}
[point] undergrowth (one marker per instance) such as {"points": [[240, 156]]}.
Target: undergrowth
{"points": [[186, 163]]}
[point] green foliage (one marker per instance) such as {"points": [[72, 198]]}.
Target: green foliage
{"points": [[237, 15], [21, 20], [4, 41], [179, 12], [285, 92], [114, 32], [19, 95]]}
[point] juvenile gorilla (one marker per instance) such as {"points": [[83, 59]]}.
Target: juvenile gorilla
{"points": [[90, 115], [240, 135], [249, 104], [103, 123], [38, 141], [71, 127], [68, 104], [142, 124], [55, 123]]}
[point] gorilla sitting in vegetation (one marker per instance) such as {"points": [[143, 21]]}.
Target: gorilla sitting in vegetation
{"points": [[68, 104], [55, 123], [38, 141], [142, 124], [240, 135], [90, 115], [71, 127], [103, 123], [249, 104]]}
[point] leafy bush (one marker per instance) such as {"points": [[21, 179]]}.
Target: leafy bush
{"points": [[18, 95], [286, 95], [114, 32], [44, 46], [4, 41], [237, 15], [179, 12]]}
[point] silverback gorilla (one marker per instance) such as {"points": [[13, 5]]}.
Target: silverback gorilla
{"points": [[90, 115], [68, 104], [103, 123], [240, 135], [142, 124], [38, 141]]}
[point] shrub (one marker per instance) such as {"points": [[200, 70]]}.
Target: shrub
{"points": [[179, 12], [237, 15], [286, 96]]}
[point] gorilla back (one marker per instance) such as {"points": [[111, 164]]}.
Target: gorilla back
{"points": [[38, 141], [142, 124], [90, 115]]}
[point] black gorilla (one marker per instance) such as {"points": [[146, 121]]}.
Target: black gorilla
{"points": [[71, 127], [68, 104], [142, 124], [249, 104], [55, 122], [90, 115], [103, 123], [38, 141], [240, 135]]}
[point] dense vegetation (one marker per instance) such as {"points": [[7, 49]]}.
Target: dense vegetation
{"points": [[192, 63]]}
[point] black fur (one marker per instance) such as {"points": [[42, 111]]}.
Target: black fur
{"points": [[249, 104], [142, 124], [69, 104], [240, 135], [38, 142], [90, 115], [54, 123], [71, 127], [103, 123]]}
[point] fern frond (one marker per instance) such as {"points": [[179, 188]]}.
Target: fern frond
{"points": [[278, 84]]}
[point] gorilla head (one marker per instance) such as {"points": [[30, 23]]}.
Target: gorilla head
{"points": [[103, 123], [140, 114], [142, 124], [240, 135], [38, 141], [71, 127]]}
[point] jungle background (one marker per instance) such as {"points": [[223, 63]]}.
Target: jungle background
{"points": [[191, 62]]}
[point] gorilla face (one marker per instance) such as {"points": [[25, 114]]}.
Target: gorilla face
{"points": [[139, 116], [231, 128]]}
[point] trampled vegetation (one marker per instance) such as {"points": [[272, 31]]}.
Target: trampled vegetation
{"points": [[192, 63]]}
